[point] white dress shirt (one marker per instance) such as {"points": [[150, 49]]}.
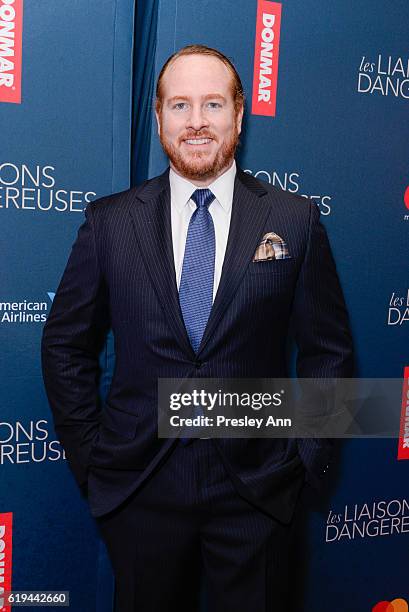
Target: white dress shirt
{"points": [[182, 208]]}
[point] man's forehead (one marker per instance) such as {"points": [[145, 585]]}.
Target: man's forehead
{"points": [[197, 74]]}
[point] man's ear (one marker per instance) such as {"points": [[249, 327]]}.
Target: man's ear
{"points": [[157, 112], [239, 118]]}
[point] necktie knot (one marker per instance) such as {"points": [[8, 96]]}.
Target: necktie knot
{"points": [[202, 197]]}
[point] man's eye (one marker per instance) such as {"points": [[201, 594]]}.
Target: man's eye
{"points": [[214, 105], [180, 105]]}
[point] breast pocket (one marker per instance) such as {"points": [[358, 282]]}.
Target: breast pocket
{"points": [[272, 266], [123, 423]]}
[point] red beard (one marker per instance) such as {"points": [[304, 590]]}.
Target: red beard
{"points": [[196, 167]]}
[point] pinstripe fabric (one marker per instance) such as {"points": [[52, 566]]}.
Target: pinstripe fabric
{"points": [[121, 274], [186, 517]]}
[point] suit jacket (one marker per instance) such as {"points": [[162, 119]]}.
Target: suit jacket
{"points": [[120, 275]]}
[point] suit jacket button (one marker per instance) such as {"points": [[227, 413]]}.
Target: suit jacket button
{"points": [[198, 364]]}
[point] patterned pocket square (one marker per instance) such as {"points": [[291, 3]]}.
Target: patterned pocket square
{"points": [[272, 246]]}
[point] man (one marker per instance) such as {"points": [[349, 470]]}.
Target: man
{"points": [[198, 272]]}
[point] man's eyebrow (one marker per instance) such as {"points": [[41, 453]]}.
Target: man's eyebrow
{"points": [[183, 98], [211, 96], [214, 96]]}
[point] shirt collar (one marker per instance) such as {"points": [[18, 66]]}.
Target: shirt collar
{"points": [[181, 189]]}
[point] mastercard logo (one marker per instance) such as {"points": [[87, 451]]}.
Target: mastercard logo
{"points": [[406, 197], [397, 605]]}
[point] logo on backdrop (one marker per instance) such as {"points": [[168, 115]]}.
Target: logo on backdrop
{"points": [[406, 197], [374, 519], [6, 548], [403, 442], [266, 53], [33, 187], [290, 181], [397, 605], [25, 311], [406, 202], [398, 311], [11, 35], [386, 76], [28, 442]]}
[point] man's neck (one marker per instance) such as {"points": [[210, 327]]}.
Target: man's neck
{"points": [[203, 183]]}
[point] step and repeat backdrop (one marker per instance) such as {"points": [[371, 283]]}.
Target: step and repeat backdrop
{"points": [[327, 102], [65, 104], [327, 117]]}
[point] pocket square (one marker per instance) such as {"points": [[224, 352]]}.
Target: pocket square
{"points": [[272, 246]]}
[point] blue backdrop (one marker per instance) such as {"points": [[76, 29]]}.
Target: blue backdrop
{"points": [[348, 150], [340, 136], [67, 142]]}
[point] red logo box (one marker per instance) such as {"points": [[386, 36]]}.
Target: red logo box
{"points": [[403, 446], [11, 42], [6, 538], [266, 53]]}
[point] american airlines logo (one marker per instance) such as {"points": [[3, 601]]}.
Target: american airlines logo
{"points": [[6, 525], [266, 53], [11, 30]]}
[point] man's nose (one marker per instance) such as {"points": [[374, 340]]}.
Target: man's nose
{"points": [[197, 119]]}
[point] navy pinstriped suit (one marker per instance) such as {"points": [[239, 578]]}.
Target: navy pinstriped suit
{"points": [[120, 274]]}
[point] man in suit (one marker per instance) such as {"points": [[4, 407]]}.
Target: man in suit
{"points": [[199, 272]]}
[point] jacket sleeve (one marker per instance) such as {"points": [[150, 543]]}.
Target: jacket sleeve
{"points": [[324, 341], [71, 342]]}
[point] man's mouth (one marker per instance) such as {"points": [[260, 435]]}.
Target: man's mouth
{"points": [[198, 141]]}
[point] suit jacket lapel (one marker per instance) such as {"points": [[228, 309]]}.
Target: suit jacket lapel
{"points": [[152, 224], [249, 215]]}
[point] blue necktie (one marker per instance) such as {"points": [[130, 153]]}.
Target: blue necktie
{"points": [[196, 283]]}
